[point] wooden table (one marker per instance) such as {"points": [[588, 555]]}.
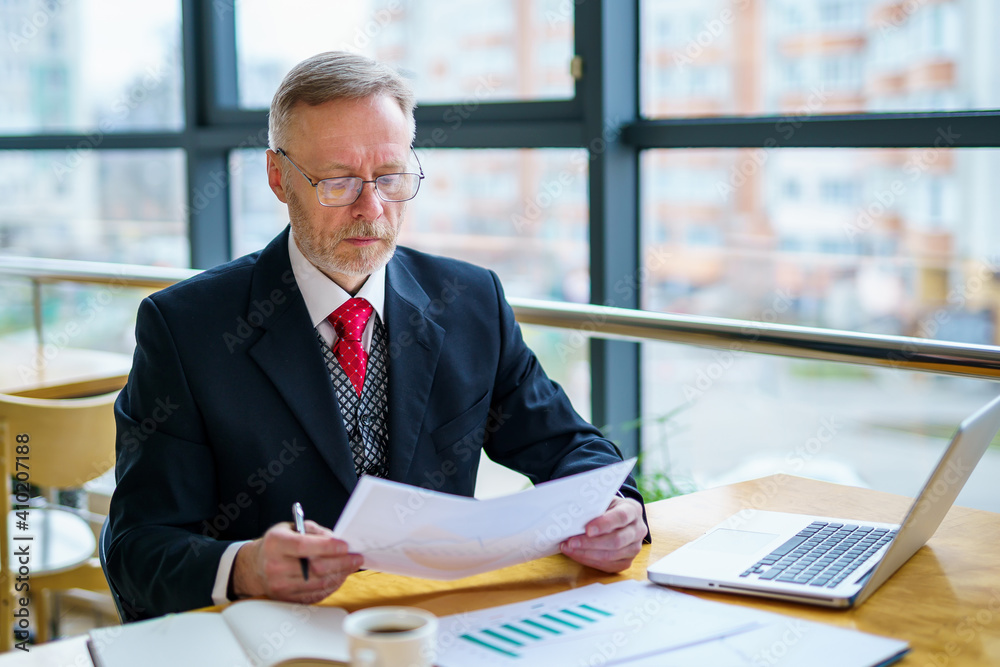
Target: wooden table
{"points": [[60, 372], [945, 601]]}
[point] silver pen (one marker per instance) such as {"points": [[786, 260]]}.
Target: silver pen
{"points": [[300, 527]]}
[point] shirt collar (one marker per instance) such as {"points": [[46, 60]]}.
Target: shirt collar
{"points": [[322, 295]]}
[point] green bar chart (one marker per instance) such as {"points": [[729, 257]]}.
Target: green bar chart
{"points": [[511, 638]]}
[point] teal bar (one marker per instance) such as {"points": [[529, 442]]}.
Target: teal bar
{"points": [[510, 627], [472, 639], [569, 612], [596, 610], [497, 635], [559, 620], [535, 624]]}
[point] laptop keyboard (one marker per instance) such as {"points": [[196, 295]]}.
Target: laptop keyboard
{"points": [[821, 554]]}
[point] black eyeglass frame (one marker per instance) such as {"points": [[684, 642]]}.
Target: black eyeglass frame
{"points": [[374, 182]]}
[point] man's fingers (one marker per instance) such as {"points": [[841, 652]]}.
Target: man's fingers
{"points": [[326, 576], [283, 540], [611, 540], [608, 542], [620, 513], [600, 559], [339, 566], [313, 528], [318, 546]]}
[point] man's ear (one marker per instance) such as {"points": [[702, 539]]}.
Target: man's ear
{"points": [[275, 176]]}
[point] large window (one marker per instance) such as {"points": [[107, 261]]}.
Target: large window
{"points": [[826, 163], [452, 49], [787, 206], [722, 57], [894, 241], [100, 205], [94, 66]]}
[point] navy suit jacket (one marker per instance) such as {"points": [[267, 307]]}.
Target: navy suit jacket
{"points": [[229, 415]]}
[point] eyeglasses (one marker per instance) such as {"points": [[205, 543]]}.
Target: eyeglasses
{"points": [[345, 190]]}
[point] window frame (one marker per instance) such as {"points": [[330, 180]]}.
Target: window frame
{"points": [[603, 117]]}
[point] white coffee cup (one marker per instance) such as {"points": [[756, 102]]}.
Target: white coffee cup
{"points": [[391, 637]]}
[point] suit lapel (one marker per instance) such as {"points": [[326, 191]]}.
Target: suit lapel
{"points": [[288, 353], [414, 346]]}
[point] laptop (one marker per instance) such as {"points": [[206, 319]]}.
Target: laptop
{"points": [[823, 560]]}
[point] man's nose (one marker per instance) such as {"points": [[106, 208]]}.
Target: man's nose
{"points": [[368, 204]]}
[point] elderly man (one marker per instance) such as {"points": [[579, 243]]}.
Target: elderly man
{"points": [[285, 375]]}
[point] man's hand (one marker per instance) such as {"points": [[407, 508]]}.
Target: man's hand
{"points": [[270, 566], [611, 540]]}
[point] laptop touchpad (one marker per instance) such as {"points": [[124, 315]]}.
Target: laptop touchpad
{"points": [[729, 541]]}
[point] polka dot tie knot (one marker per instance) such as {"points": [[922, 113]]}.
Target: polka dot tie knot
{"points": [[349, 321]]}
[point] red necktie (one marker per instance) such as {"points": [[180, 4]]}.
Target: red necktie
{"points": [[349, 322]]}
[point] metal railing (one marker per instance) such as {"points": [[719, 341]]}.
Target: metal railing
{"points": [[978, 361]]}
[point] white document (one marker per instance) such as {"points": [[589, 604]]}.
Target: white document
{"points": [[408, 530], [596, 624], [638, 624]]}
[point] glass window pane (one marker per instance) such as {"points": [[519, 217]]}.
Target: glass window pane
{"points": [[90, 66], [900, 241], [109, 206], [714, 417], [746, 57], [454, 50], [522, 213], [75, 316]]}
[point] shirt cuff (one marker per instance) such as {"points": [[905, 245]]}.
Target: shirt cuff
{"points": [[219, 591]]}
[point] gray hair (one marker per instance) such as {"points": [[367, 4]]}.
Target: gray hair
{"points": [[335, 75]]}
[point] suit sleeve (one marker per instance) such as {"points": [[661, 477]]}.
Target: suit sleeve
{"points": [[162, 556], [538, 432]]}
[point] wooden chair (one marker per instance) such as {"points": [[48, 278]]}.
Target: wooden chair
{"points": [[56, 443]]}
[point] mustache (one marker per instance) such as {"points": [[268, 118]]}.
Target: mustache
{"points": [[364, 229]]}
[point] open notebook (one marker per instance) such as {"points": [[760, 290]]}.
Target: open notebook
{"points": [[251, 633]]}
